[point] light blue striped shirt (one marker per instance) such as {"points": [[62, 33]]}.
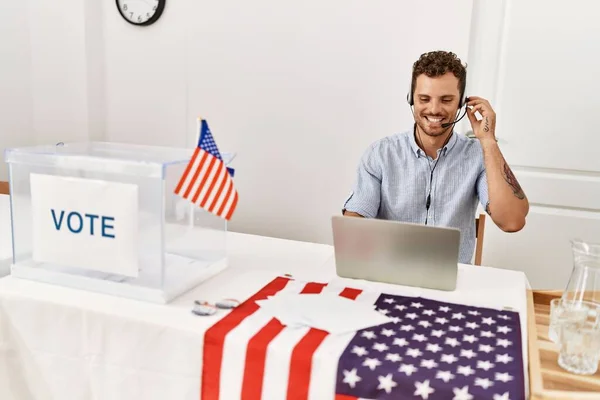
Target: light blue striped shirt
{"points": [[393, 182]]}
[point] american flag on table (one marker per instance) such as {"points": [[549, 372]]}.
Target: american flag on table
{"points": [[207, 181], [430, 350]]}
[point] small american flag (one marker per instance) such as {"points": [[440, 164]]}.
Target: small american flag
{"points": [[207, 182], [430, 350]]}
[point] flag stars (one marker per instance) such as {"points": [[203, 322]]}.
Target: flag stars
{"points": [[428, 364], [408, 369], [400, 307], [486, 348], [393, 357], [504, 329], [412, 316], [416, 305], [407, 328], [446, 376], [419, 337], [465, 370], [425, 324], [458, 316], [369, 335], [444, 309], [455, 329], [503, 342], [380, 347], [414, 353], [469, 338], [351, 377], [388, 332], [386, 383], [484, 383], [449, 358], [389, 300], [383, 311], [503, 358], [504, 317], [501, 397], [428, 312], [433, 347], [437, 333], [423, 389], [372, 363], [487, 334], [468, 353], [359, 351], [472, 325], [462, 394], [473, 312], [452, 342], [400, 342], [441, 321], [488, 321], [503, 377], [485, 365]]}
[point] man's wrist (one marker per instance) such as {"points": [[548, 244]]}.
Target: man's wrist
{"points": [[488, 142]]}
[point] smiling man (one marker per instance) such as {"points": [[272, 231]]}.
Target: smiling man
{"points": [[431, 174]]}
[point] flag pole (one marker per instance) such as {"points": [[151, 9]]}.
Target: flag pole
{"points": [[192, 205]]}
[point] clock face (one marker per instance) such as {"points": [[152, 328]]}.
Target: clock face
{"points": [[141, 12]]}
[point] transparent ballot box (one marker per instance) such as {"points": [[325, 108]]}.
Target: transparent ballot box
{"points": [[105, 217]]}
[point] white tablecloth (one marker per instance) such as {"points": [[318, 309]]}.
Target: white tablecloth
{"points": [[65, 344]]}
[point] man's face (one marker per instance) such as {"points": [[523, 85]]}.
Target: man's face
{"points": [[436, 102]]}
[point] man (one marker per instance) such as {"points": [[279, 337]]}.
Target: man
{"points": [[433, 175]]}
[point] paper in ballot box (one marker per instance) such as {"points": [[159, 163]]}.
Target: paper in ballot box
{"points": [[105, 217]]}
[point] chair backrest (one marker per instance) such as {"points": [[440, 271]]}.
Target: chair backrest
{"points": [[4, 188], [479, 231]]}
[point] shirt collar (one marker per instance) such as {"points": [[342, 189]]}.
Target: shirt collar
{"points": [[419, 152]]}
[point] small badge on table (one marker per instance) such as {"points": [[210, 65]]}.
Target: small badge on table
{"points": [[203, 308]]}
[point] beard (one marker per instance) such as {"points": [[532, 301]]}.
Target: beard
{"points": [[433, 130]]}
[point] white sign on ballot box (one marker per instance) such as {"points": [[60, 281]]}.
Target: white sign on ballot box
{"points": [[85, 223]]}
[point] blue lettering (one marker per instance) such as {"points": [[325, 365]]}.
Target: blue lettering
{"points": [[59, 223], [105, 226], [76, 222], [70, 218], [91, 217]]}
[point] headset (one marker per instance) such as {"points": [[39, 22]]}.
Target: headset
{"points": [[463, 100]]}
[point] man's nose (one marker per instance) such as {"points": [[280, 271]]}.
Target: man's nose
{"points": [[436, 107]]}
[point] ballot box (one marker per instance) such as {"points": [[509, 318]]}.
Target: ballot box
{"points": [[104, 217]]}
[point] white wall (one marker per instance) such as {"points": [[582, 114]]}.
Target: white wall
{"points": [[15, 79], [298, 91]]}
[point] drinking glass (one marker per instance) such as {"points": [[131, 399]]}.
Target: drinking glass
{"points": [[579, 347]]}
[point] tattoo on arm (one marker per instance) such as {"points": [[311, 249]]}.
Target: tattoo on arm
{"points": [[486, 127], [510, 178]]}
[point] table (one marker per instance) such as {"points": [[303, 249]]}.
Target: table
{"points": [[548, 379], [5, 235], [62, 343]]}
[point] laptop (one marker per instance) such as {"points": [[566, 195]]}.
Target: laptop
{"points": [[396, 252]]}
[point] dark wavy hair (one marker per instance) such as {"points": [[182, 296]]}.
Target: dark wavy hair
{"points": [[438, 63]]}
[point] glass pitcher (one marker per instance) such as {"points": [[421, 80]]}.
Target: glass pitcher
{"points": [[583, 288]]}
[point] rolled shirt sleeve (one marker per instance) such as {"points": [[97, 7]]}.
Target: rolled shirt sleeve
{"points": [[366, 192], [482, 189]]}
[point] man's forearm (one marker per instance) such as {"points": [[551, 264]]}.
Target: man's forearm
{"points": [[508, 204]]}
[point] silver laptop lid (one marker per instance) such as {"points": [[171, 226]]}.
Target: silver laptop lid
{"points": [[396, 252]]}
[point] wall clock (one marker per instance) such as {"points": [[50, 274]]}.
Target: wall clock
{"points": [[141, 12]]}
